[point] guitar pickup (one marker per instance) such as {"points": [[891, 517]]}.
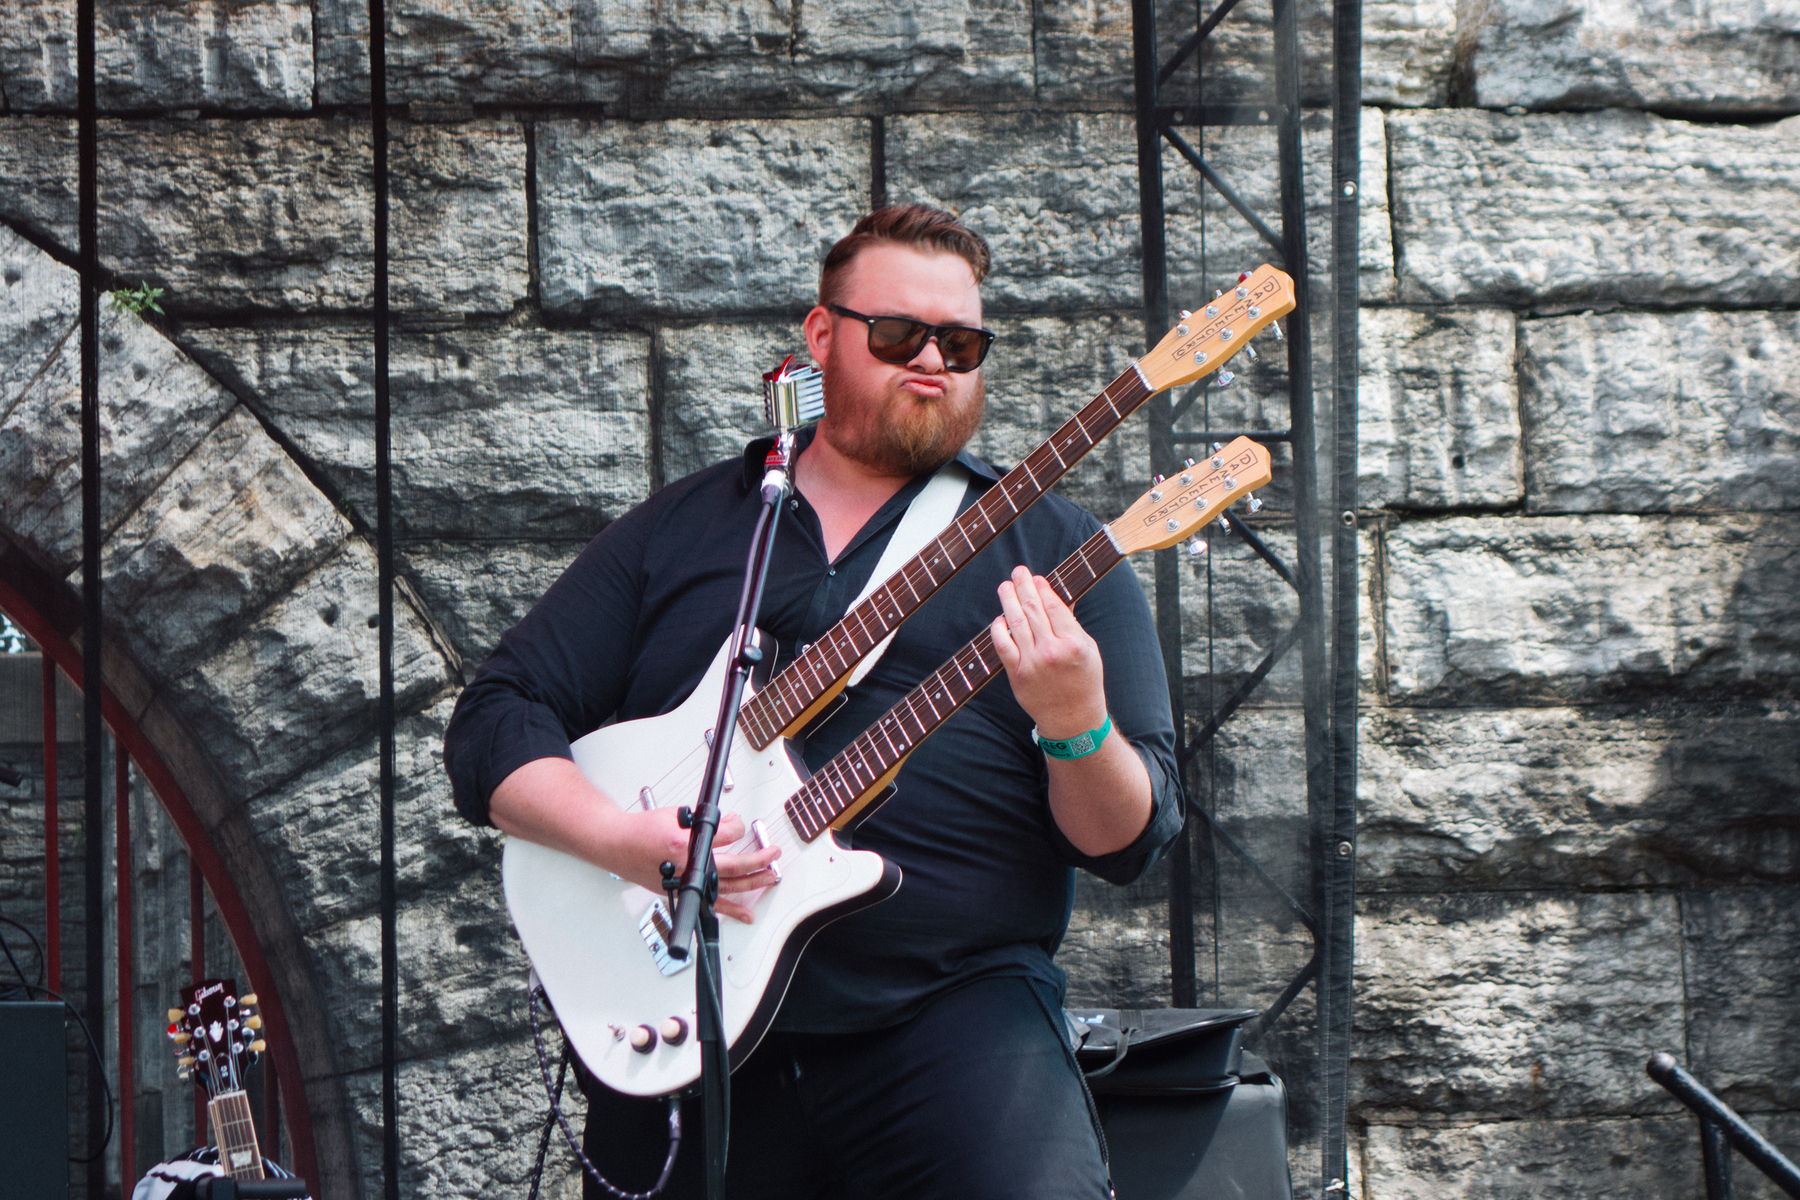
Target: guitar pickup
{"points": [[657, 927]]}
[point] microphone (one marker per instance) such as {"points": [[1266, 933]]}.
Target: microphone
{"points": [[793, 397]]}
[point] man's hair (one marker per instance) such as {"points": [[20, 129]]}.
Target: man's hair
{"points": [[918, 225]]}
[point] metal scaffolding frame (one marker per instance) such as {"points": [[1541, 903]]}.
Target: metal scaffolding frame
{"points": [[1328, 688]]}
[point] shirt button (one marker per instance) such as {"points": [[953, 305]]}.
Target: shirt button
{"points": [[831, 570]]}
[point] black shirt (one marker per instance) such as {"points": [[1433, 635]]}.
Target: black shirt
{"points": [[631, 626]]}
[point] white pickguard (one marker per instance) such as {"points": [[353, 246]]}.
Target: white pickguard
{"points": [[580, 925]]}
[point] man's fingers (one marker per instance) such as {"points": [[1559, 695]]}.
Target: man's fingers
{"points": [[731, 866], [1062, 619], [1014, 616], [1003, 642], [1032, 606], [734, 910]]}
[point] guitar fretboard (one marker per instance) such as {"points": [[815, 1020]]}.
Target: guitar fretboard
{"points": [[848, 779], [811, 676], [235, 1134]]}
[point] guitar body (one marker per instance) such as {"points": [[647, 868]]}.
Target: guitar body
{"points": [[592, 938]]}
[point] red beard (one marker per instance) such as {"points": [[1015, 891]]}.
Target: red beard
{"points": [[896, 432]]}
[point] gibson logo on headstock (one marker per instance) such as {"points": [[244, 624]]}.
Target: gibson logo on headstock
{"points": [[203, 993]]}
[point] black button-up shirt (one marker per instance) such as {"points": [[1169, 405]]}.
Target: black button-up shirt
{"points": [[631, 626]]}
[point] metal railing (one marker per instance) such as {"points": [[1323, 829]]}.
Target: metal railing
{"points": [[1721, 1129]]}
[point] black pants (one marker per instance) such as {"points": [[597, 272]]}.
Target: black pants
{"points": [[977, 1096]]}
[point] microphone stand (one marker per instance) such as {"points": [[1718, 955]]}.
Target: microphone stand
{"points": [[694, 893]]}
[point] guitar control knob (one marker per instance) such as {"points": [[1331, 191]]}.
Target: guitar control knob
{"points": [[674, 1030], [247, 999], [643, 1039]]}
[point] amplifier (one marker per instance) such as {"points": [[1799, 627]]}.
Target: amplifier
{"points": [[34, 1099]]}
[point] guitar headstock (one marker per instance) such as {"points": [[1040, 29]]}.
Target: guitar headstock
{"points": [[1185, 502], [1204, 341], [217, 1036]]}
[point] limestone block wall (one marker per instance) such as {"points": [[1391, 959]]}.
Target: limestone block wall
{"points": [[1580, 389]]}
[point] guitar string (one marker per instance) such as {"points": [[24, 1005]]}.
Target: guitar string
{"points": [[780, 692]]}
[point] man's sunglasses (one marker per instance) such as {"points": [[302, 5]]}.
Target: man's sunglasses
{"points": [[899, 340]]}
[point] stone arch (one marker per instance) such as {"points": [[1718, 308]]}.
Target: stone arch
{"points": [[240, 613]]}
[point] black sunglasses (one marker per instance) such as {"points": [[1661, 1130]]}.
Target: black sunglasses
{"points": [[899, 339]]}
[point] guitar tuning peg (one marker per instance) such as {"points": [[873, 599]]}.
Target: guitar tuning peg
{"points": [[1276, 326], [249, 998], [1224, 525], [258, 1046], [1187, 462], [1197, 547], [1254, 504], [180, 1039], [1218, 446], [175, 1014], [185, 1062], [253, 1023], [1224, 379], [1156, 479], [1250, 350], [1243, 275], [1185, 314]]}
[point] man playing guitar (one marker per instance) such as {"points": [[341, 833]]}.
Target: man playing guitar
{"points": [[920, 1050]]}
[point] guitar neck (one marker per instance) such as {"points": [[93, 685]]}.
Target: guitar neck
{"points": [[795, 695], [865, 766], [234, 1133]]}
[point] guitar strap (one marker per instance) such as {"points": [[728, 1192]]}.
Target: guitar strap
{"points": [[930, 511]]}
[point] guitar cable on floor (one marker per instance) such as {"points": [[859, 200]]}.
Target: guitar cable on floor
{"points": [[553, 1089]]}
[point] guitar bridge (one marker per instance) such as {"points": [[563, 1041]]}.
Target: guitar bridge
{"points": [[657, 927]]}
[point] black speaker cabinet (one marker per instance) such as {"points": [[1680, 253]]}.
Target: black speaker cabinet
{"points": [[34, 1101], [1188, 1113]]}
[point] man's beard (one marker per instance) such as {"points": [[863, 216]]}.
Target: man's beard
{"points": [[897, 433]]}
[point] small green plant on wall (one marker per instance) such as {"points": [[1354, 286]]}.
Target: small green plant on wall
{"points": [[137, 299]]}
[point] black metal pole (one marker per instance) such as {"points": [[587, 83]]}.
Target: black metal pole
{"points": [[1715, 1157], [1339, 901], [1751, 1144], [384, 550], [1315, 674], [93, 817], [1183, 986]]}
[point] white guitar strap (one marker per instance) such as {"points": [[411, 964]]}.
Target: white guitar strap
{"points": [[926, 517]]}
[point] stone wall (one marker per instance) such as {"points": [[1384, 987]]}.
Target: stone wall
{"points": [[1580, 389]]}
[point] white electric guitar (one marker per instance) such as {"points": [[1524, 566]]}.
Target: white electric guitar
{"points": [[600, 945]]}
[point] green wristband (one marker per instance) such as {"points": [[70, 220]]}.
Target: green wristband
{"points": [[1079, 746]]}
